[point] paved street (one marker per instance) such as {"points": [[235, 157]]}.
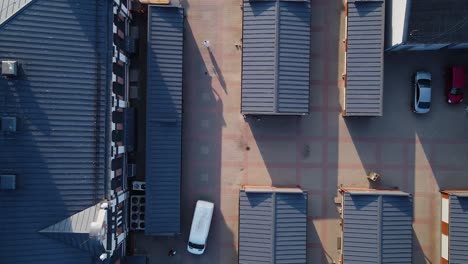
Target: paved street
{"points": [[319, 152]]}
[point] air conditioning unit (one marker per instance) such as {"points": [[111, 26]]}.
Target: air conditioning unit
{"points": [[137, 212], [8, 124], [9, 69], [373, 176], [138, 186]]}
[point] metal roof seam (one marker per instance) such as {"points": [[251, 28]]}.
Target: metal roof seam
{"points": [[276, 54], [273, 224], [379, 230]]}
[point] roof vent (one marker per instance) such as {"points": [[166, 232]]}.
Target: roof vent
{"points": [[139, 186], [137, 215], [7, 182], [9, 69], [8, 124], [103, 256]]}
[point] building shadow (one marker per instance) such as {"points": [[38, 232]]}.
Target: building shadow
{"points": [[203, 122], [140, 21], [217, 71], [419, 256], [442, 144], [202, 177], [412, 152]]}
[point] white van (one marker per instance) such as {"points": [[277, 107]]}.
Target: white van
{"points": [[200, 227]]}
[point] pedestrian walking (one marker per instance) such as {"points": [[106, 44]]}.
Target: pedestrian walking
{"points": [[172, 252], [206, 43]]}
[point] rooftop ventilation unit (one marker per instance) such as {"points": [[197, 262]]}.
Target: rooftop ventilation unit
{"points": [[7, 182], [139, 186], [373, 176], [9, 69], [137, 212], [8, 124]]}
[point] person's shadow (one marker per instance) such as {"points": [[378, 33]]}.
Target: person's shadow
{"points": [[172, 252], [216, 69]]}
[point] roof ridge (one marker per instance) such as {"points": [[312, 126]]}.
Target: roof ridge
{"points": [[81, 230]]}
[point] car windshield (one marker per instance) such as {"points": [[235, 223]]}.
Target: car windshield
{"points": [[424, 105], [424, 83], [456, 91], [197, 246]]}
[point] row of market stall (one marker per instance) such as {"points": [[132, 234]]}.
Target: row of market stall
{"points": [[276, 57], [275, 81], [376, 225]]}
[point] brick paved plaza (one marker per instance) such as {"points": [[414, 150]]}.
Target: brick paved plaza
{"points": [[319, 152]]}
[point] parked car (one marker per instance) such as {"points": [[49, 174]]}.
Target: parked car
{"points": [[422, 92], [455, 78], [200, 227]]}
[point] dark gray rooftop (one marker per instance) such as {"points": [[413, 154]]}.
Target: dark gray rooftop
{"points": [[458, 229], [164, 120], [272, 227], [276, 57], [59, 99], [377, 228], [364, 58], [438, 21]]}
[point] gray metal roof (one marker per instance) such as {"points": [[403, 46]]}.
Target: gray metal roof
{"points": [[435, 21], [272, 227], [364, 58], [8, 8], [458, 229], [58, 152], [164, 120], [377, 228], [460, 193], [275, 57]]}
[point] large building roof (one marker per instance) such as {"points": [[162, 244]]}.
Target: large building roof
{"points": [[275, 57], [58, 152], [364, 58], [272, 226], [164, 120], [377, 227], [436, 21]]}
